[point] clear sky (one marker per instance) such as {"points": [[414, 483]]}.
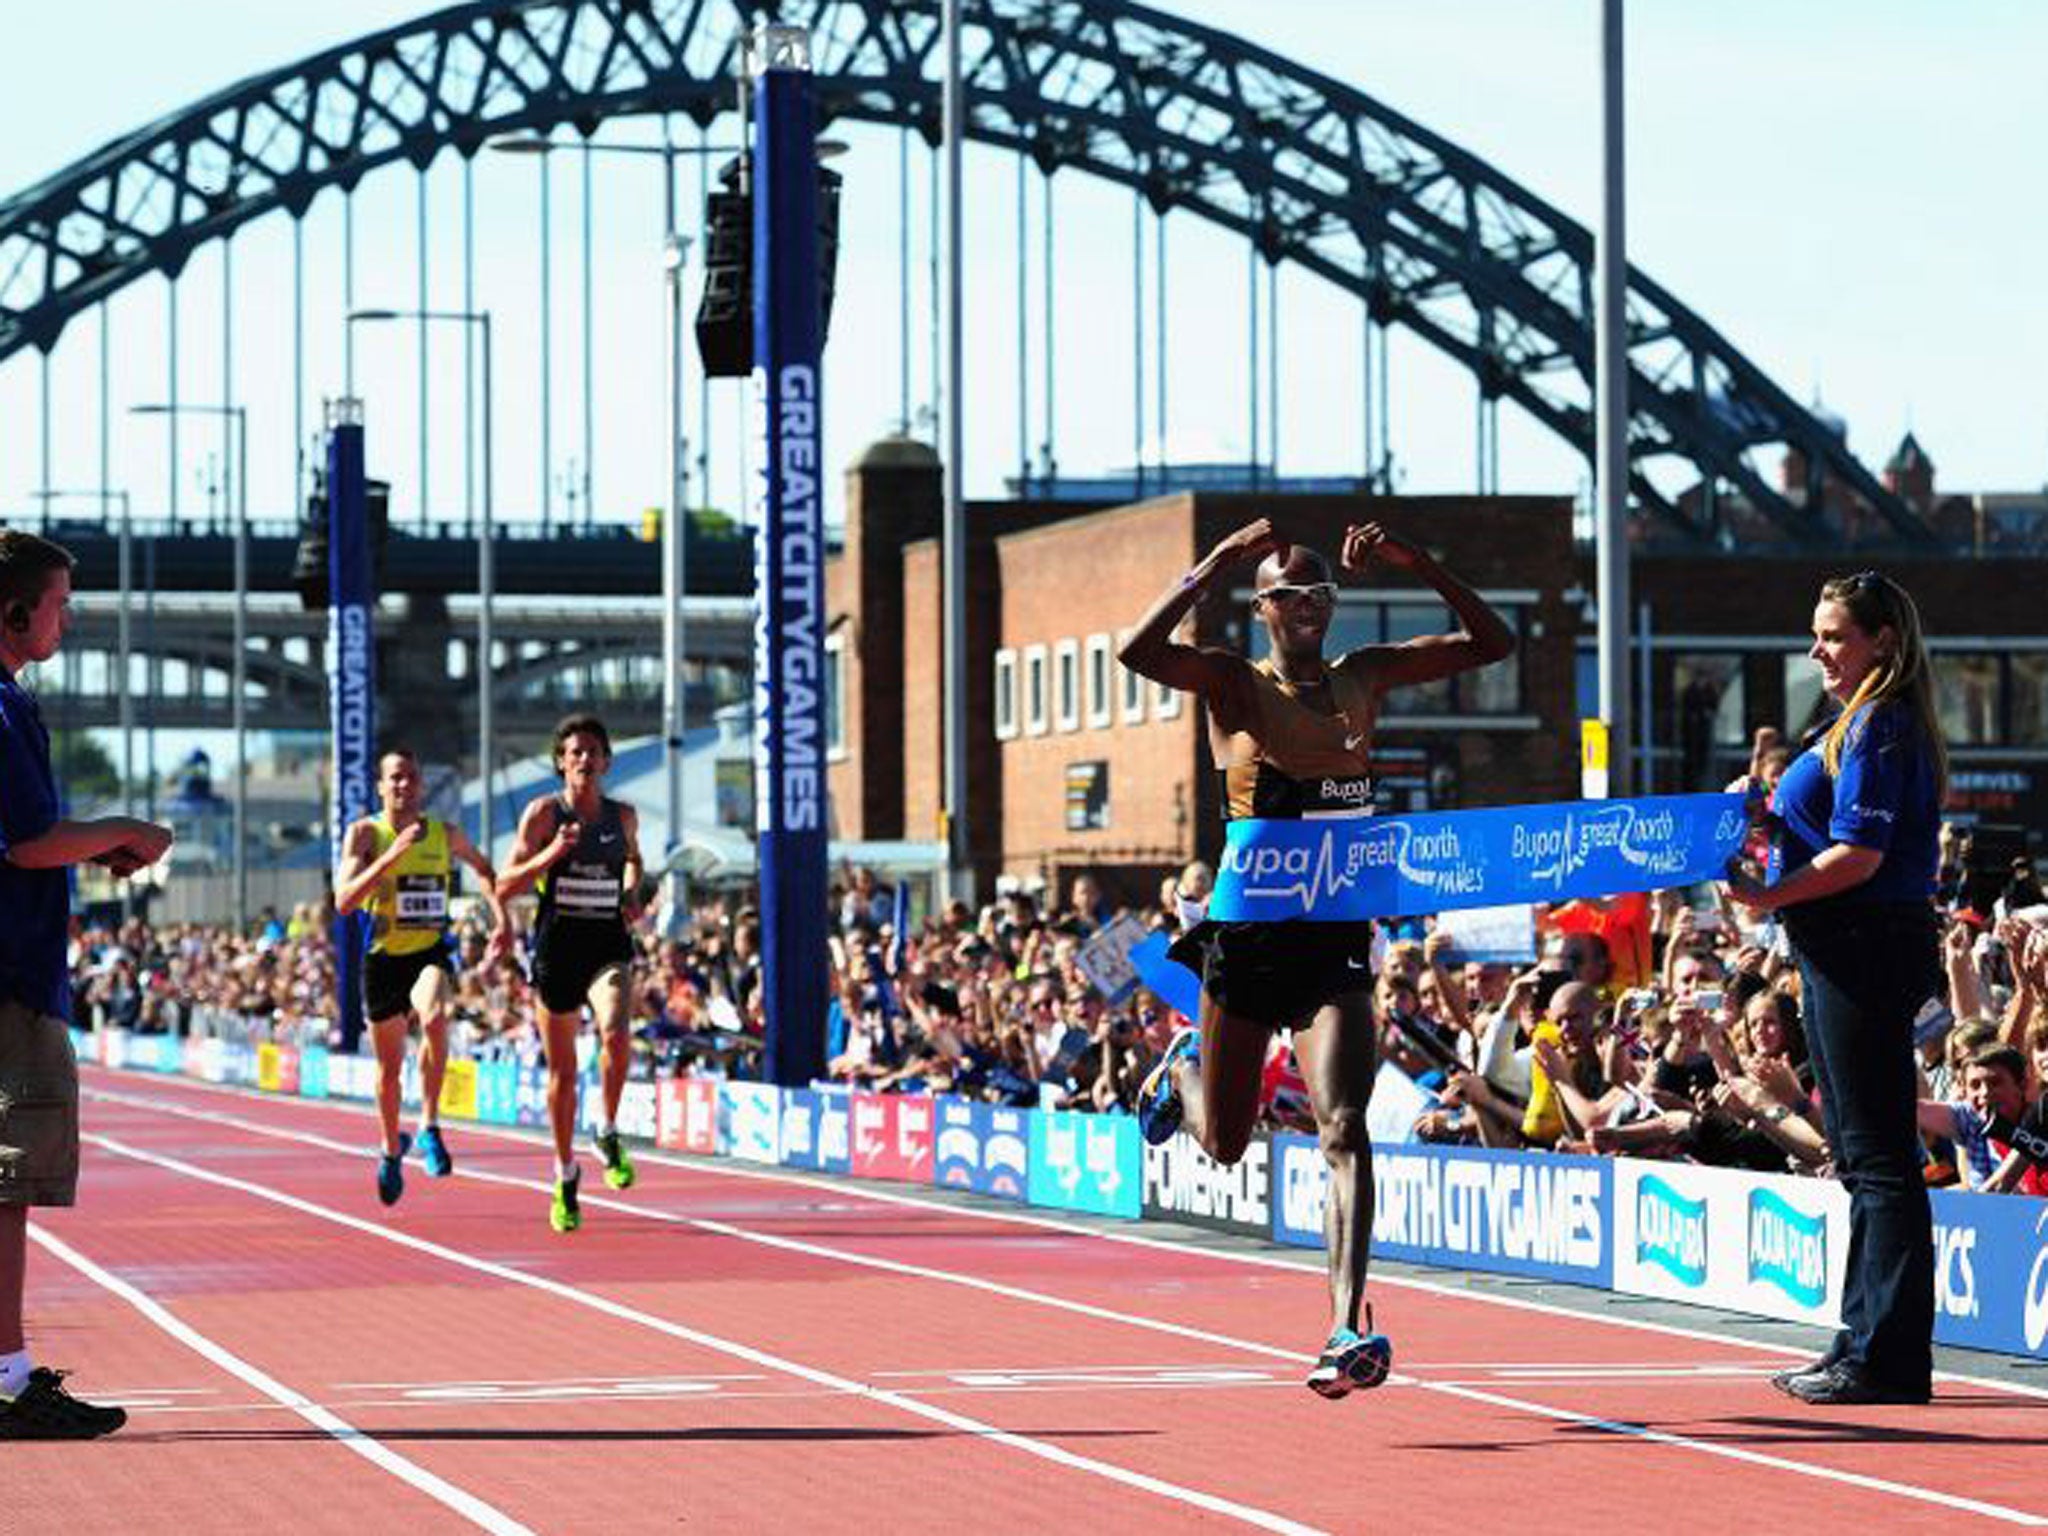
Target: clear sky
{"points": [[1843, 187], [1847, 189]]}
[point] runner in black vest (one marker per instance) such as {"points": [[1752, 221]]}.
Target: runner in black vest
{"points": [[1293, 737], [584, 850]]}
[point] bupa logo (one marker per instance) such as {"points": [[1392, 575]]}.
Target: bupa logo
{"points": [[833, 1124], [1671, 1232], [1006, 1156], [1788, 1248], [1955, 1271], [870, 1123], [796, 1129], [1062, 1154], [959, 1155], [1098, 1154]]}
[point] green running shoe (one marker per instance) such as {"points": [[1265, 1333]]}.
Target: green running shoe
{"points": [[564, 1215], [618, 1167]]}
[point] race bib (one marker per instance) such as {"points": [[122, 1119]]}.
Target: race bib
{"points": [[587, 895], [422, 901]]}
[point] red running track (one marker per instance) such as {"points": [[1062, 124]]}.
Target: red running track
{"points": [[734, 1349]]}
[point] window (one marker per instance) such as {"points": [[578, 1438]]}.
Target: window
{"points": [[1165, 702], [1100, 705], [1131, 686], [1034, 690], [1966, 695], [1006, 694], [2029, 696], [835, 697], [1805, 705], [1067, 685], [1706, 697]]}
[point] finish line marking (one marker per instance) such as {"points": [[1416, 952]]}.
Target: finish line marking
{"points": [[1616, 1427], [468, 1505], [1044, 1450]]}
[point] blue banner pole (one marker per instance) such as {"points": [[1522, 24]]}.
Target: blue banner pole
{"points": [[789, 568], [352, 684]]}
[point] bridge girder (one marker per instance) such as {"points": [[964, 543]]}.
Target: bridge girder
{"points": [[1314, 172], [554, 657]]}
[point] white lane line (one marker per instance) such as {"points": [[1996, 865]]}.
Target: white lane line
{"points": [[999, 1212], [974, 1282], [441, 1491], [1044, 1450]]}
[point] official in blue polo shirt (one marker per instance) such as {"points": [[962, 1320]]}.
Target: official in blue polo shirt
{"points": [[1858, 820], [38, 1074]]}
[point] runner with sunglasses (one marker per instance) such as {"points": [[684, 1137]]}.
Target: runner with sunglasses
{"points": [[1293, 736]]}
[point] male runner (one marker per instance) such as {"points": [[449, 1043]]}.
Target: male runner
{"points": [[38, 1073], [395, 865], [585, 851], [1293, 736]]}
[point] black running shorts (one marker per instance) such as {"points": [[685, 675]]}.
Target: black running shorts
{"points": [[1277, 973], [388, 979], [565, 963]]}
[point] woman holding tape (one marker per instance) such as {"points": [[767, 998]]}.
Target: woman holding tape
{"points": [[1293, 736], [1852, 872]]}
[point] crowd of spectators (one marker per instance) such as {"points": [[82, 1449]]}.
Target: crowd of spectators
{"points": [[1664, 1024]]}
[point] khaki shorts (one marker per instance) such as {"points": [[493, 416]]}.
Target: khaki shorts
{"points": [[38, 1109]]}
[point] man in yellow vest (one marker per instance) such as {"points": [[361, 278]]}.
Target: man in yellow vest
{"points": [[396, 866]]}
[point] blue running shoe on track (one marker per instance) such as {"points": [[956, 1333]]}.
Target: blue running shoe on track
{"points": [[1352, 1361], [391, 1171], [1159, 1105], [434, 1153]]}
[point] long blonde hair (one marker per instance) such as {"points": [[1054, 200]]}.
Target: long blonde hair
{"points": [[1875, 603]]}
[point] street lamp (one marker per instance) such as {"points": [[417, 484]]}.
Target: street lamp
{"points": [[239, 686], [674, 523], [124, 695], [674, 555], [486, 567]]}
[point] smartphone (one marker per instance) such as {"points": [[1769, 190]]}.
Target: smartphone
{"points": [[1639, 998], [1706, 920], [1708, 1001]]}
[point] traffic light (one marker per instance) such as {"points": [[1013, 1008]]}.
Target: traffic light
{"points": [[725, 313], [309, 560]]}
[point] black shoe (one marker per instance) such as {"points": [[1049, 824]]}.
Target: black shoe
{"points": [[1847, 1385], [45, 1411]]}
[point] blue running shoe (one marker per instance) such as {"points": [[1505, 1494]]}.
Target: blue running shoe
{"points": [[1159, 1105], [1351, 1361], [434, 1153], [391, 1171]]}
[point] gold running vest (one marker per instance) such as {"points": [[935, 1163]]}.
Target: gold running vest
{"points": [[1307, 751]]}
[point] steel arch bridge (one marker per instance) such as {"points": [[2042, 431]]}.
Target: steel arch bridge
{"points": [[1312, 171]]}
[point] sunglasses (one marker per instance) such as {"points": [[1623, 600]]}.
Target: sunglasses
{"points": [[1313, 592]]}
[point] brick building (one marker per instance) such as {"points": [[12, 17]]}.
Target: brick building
{"points": [[1727, 652], [1074, 763]]}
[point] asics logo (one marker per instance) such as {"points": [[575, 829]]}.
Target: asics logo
{"points": [[2035, 1318]]}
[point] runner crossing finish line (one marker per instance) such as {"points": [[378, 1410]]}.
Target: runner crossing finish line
{"points": [[1351, 869]]}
